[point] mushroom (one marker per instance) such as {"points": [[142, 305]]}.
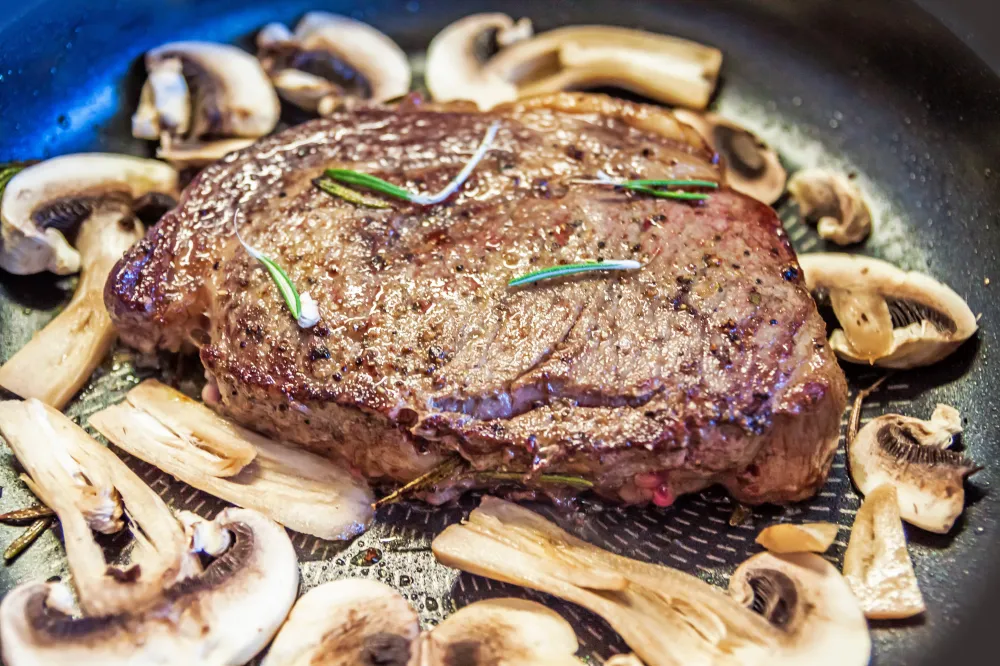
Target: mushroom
{"points": [[94, 196], [666, 616], [198, 95], [624, 660], [810, 603], [347, 623], [330, 57], [667, 69], [913, 456], [750, 165], [501, 631], [877, 565], [185, 439], [224, 615], [889, 317], [790, 538], [834, 202]]}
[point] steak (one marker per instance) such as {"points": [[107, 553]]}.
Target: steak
{"points": [[708, 365]]}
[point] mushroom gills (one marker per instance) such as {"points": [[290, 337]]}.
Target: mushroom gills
{"points": [[330, 57], [667, 69], [224, 615], [912, 456], [749, 164], [889, 317], [834, 203], [89, 198], [877, 565], [296, 488]]}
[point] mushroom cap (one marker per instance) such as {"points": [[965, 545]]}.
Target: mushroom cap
{"points": [[890, 317], [48, 198], [338, 50], [667, 69], [876, 564], [912, 455], [751, 166], [798, 538], [502, 631], [834, 202], [195, 154], [223, 616], [344, 623], [806, 598], [231, 94]]}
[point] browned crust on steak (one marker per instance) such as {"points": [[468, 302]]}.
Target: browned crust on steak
{"points": [[708, 365]]}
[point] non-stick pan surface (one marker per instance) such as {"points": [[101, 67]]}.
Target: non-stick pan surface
{"points": [[879, 89]]}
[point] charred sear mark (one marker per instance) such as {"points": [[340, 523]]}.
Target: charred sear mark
{"points": [[384, 649], [899, 443], [905, 312], [774, 596]]}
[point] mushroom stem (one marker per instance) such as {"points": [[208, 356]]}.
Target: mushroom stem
{"points": [[296, 488], [61, 357]]}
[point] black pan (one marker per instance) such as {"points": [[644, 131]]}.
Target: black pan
{"points": [[880, 88]]}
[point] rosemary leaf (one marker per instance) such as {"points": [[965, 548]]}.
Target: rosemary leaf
{"points": [[349, 195], [571, 269], [284, 283], [660, 188], [667, 194], [855, 421], [28, 537], [8, 171], [447, 469], [670, 183], [545, 479], [373, 183], [28, 514]]}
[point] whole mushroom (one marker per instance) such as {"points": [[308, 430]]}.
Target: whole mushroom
{"points": [[834, 202], [203, 100], [330, 57], [94, 199]]}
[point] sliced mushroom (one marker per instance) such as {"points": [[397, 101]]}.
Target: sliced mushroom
{"points": [[890, 317], [347, 623], [751, 166], [667, 69], [665, 616], [185, 439], [200, 94], [67, 470], [193, 154], [330, 57], [624, 660], [93, 197], [877, 565], [501, 631], [810, 603], [803, 538], [834, 202], [912, 456], [223, 616]]}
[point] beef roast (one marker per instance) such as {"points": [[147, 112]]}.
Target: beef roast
{"points": [[708, 365]]}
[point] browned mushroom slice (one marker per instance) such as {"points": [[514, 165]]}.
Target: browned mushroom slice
{"points": [[912, 456], [200, 94], [834, 203], [890, 317], [329, 57], [877, 565], [802, 538], [751, 166], [667, 69], [92, 195]]}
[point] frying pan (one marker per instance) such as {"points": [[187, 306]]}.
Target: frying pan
{"points": [[884, 89]]}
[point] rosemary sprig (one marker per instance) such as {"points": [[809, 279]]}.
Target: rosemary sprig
{"points": [[303, 307], [661, 188], [376, 184], [571, 269], [28, 514], [546, 479], [445, 470], [28, 537], [854, 424], [347, 194]]}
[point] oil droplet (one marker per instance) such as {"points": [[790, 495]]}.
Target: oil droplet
{"points": [[404, 580], [340, 562], [367, 558], [432, 604]]}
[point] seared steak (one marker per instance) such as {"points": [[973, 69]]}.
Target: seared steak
{"points": [[707, 365]]}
